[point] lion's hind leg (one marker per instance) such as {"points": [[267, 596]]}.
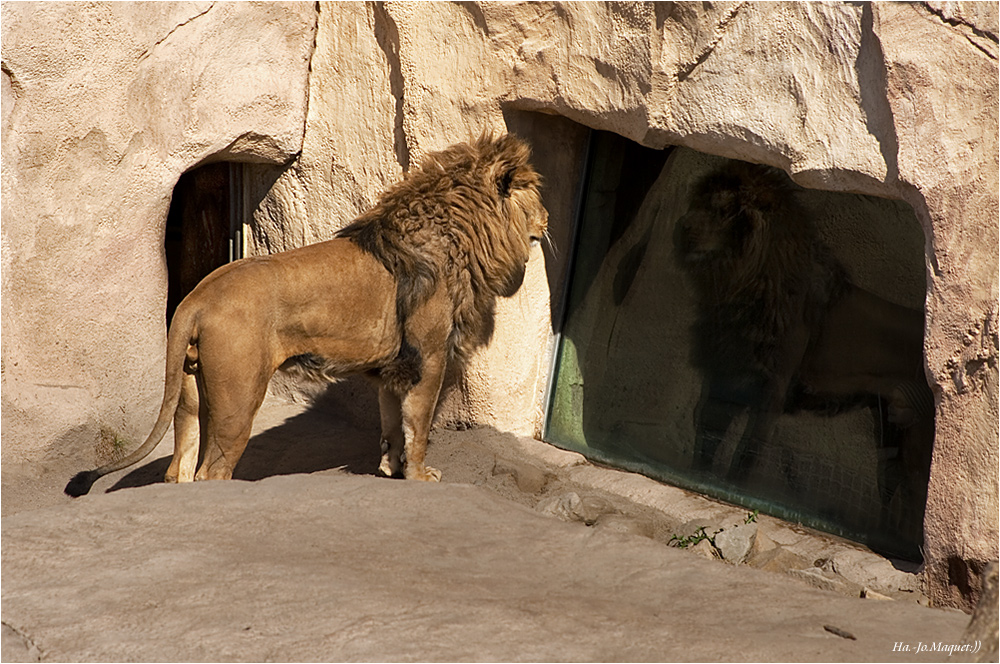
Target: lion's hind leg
{"points": [[186, 434], [228, 404], [390, 411]]}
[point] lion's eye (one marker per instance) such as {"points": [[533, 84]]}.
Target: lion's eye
{"points": [[535, 241]]}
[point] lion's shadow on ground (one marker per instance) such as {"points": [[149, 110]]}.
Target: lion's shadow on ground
{"points": [[340, 430]]}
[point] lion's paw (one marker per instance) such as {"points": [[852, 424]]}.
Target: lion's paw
{"points": [[426, 474], [389, 469]]}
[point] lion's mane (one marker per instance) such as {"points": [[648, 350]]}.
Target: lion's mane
{"points": [[772, 272], [460, 218]]}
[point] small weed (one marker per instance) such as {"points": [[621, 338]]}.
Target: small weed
{"points": [[699, 536], [751, 517], [110, 444]]}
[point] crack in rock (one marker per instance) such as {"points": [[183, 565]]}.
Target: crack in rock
{"points": [[944, 13], [16, 639], [177, 27], [720, 30]]}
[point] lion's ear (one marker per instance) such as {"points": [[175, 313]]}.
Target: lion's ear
{"points": [[504, 182]]}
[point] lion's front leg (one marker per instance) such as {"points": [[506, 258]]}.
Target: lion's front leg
{"points": [[418, 410], [390, 411]]}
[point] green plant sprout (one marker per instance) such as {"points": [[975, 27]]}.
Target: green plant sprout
{"points": [[700, 534]]}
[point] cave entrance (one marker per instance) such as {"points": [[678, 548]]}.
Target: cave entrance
{"points": [[809, 403], [205, 226]]}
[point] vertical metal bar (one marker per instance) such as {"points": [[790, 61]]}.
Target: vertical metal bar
{"points": [[232, 211], [245, 210]]}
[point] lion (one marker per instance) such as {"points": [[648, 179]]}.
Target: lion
{"points": [[781, 327], [398, 295]]}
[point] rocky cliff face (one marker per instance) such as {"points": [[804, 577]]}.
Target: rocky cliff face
{"points": [[104, 106]]}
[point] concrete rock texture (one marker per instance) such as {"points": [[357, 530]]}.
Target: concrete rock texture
{"points": [[335, 567], [104, 106], [147, 539], [985, 623]]}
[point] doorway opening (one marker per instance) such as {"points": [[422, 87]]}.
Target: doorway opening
{"points": [[205, 226]]}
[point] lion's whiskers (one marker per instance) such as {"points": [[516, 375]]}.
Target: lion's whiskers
{"points": [[547, 240]]}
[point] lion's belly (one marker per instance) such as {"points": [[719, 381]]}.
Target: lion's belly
{"points": [[317, 368], [341, 351]]}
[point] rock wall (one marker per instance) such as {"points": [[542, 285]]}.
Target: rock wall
{"points": [[104, 106]]}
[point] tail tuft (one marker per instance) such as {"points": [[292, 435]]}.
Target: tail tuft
{"points": [[81, 483]]}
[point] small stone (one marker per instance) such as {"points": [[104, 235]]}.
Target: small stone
{"points": [[762, 544], [572, 506], [778, 559], [564, 506], [871, 571], [868, 593], [817, 578], [734, 542], [705, 550]]}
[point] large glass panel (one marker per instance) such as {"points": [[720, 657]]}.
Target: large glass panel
{"points": [[746, 338]]}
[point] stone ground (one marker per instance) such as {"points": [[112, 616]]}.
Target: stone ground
{"points": [[522, 553]]}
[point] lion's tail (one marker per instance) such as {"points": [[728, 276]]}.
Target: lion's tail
{"points": [[181, 334]]}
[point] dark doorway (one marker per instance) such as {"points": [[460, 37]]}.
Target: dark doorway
{"points": [[204, 226]]}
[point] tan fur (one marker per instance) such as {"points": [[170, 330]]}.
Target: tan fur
{"points": [[408, 287], [781, 327]]}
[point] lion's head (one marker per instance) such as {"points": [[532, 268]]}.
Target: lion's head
{"points": [[746, 234], [468, 215], [729, 216], [756, 260], [495, 207]]}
